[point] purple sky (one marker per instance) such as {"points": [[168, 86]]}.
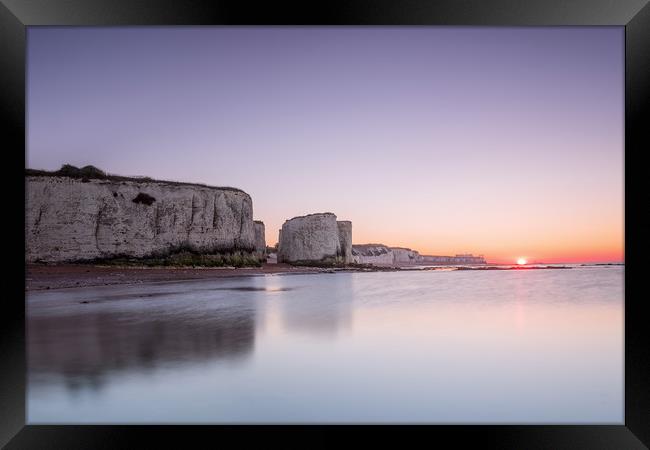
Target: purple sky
{"points": [[503, 141]]}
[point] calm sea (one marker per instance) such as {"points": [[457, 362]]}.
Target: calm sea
{"points": [[507, 346]]}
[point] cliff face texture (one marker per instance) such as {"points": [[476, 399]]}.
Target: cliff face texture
{"points": [[405, 256], [69, 219], [375, 254], [345, 239], [260, 239], [315, 238]]}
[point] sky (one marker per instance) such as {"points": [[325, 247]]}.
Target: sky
{"points": [[506, 142]]}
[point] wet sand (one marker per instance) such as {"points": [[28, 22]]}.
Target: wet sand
{"points": [[39, 277], [63, 276]]}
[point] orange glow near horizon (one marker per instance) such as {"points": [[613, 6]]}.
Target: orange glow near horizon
{"points": [[576, 242]]}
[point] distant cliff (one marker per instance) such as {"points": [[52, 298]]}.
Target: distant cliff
{"points": [[404, 256], [72, 215], [382, 255], [375, 254], [457, 259], [315, 238]]}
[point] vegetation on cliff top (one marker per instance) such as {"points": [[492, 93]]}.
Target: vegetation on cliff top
{"points": [[88, 173]]}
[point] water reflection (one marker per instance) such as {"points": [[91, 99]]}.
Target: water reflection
{"points": [[83, 336], [328, 316], [85, 343]]}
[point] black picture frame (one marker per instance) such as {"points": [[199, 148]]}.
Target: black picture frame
{"points": [[634, 15]]}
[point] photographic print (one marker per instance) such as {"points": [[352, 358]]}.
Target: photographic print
{"points": [[325, 225]]}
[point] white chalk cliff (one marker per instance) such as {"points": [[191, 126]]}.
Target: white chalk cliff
{"points": [[72, 219], [375, 254]]}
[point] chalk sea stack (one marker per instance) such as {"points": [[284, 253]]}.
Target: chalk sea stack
{"points": [[260, 240], [315, 238]]}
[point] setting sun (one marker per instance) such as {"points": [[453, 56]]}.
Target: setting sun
{"points": [[521, 261]]}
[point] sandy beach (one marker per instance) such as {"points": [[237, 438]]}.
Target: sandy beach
{"points": [[39, 277]]}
